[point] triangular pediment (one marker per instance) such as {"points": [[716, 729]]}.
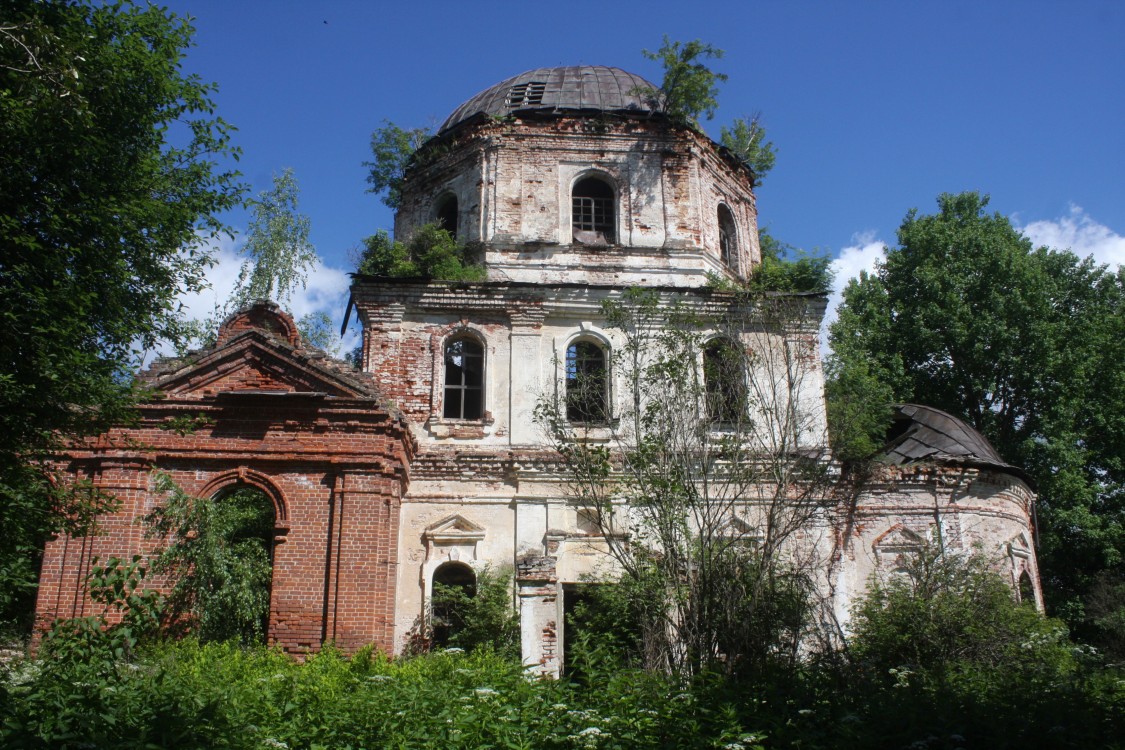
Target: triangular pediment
{"points": [[256, 363], [1019, 546], [455, 529], [898, 538], [738, 528]]}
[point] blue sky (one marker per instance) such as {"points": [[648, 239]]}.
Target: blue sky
{"points": [[874, 107]]}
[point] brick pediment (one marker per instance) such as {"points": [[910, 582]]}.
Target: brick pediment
{"points": [[254, 362]]}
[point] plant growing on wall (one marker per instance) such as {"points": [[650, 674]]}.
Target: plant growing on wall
{"points": [[430, 253], [392, 150]]}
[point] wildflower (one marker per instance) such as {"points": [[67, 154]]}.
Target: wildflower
{"points": [[271, 742], [591, 732], [380, 677], [454, 650], [484, 691]]}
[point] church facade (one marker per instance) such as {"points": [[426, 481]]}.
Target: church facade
{"points": [[431, 464]]}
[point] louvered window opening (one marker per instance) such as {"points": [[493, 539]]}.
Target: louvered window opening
{"points": [[528, 94]]}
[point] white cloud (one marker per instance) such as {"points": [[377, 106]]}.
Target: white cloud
{"points": [[326, 290], [861, 255], [1079, 233]]}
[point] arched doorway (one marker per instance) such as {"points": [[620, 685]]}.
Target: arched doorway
{"points": [[218, 555], [454, 584]]}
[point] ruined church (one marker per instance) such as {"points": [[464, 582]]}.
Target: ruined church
{"points": [[427, 464]]}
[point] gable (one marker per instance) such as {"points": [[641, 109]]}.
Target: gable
{"points": [[257, 363]]}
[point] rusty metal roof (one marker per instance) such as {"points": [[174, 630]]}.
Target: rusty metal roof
{"points": [[925, 434], [579, 88]]}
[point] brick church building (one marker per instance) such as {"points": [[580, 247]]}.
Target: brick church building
{"points": [[428, 463]]}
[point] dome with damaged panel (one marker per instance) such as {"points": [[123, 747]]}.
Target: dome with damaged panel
{"points": [[580, 88], [922, 433]]}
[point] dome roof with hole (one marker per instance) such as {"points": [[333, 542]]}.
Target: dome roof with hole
{"points": [[580, 88]]}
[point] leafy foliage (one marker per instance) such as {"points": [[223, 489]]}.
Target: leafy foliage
{"points": [[33, 508], [945, 657], [393, 150], [1026, 345], [483, 618], [110, 186], [279, 254], [785, 268], [689, 89], [746, 139], [431, 253], [217, 556], [669, 494]]}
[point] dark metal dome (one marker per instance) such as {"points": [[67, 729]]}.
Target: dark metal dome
{"points": [[581, 88], [923, 433]]}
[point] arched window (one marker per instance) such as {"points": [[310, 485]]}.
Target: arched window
{"points": [[724, 381], [446, 214], [592, 215], [587, 383], [1026, 590], [728, 240], [454, 585], [464, 379]]}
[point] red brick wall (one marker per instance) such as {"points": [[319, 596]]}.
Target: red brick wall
{"points": [[336, 469]]}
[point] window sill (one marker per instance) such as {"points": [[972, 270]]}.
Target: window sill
{"points": [[463, 429]]}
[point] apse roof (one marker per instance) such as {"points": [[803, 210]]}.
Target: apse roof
{"points": [[579, 88], [923, 433]]}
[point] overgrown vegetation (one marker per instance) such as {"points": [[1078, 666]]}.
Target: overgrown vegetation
{"points": [[482, 618], [941, 658], [690, 89], [217, 553], [705, 480], [430, 253], [393, 150], [1026, 345]]}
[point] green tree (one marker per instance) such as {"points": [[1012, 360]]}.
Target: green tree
{"points": [[278, 253], [110, 187], [1027, 346], [707, 475], [479, 618], [785, 268], [393, 150], [430, 253], [689, 89], [746, 139], [278, 260], [217, 553]]}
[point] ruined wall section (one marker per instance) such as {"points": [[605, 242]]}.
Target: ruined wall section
{"points": [[965, 509], [513, 180], [335, 467]]}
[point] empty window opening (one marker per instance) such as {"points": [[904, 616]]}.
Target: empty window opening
{"points": [[454, 585], [592, 215], [586, 383], [528, 94], [724, 382], [728, 242], [1026, 590], [464, 379], [446, 214]]}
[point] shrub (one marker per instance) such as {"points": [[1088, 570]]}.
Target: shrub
{"points": [[431, 253]]}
